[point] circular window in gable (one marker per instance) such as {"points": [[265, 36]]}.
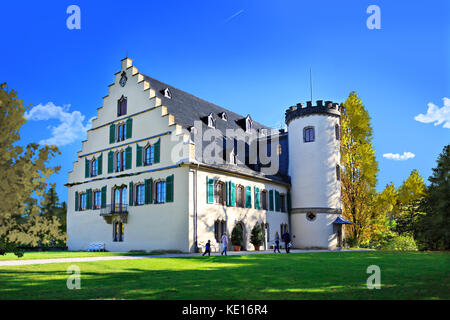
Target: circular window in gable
{"points": [[311, 216]]}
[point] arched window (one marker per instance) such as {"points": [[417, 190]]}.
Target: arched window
{"points": [[338, 173], [337, 132], [149, 155], [120, 199], [94, 167], [119, 157], [240, 196], [248, 123], [219, 191], [122, 131], [122, 106], [219, 229], [308, 134]]}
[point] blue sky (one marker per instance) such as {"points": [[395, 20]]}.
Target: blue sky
{"points": [[249, 56]]}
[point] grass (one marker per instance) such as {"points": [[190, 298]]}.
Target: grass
{"points": [[67, 254], [327, 275]]}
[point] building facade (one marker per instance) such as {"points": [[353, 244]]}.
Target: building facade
{"points": [[142, 182]]}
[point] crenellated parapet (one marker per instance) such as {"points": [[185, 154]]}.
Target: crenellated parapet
{"points": [[329, 108]]}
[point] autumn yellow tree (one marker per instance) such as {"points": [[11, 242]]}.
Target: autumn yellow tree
{"points": [[359, 170], [23, 175]]}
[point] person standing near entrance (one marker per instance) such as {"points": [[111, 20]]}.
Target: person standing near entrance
{"points": [[277, 243], [287, 241], [224, 243]]}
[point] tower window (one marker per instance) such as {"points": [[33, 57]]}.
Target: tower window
{"points": [[308, 134], [311, 216], [337, 132], [338, 173]]}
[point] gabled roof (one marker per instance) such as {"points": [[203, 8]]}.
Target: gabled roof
{"points": [[187, 108]]}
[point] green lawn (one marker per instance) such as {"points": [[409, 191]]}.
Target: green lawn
{"points": [[327, 275], [66, 254]]}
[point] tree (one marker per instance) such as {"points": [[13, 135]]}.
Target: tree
{"points": [[382, 223], [237, 236], [433, 231], [50, 207], [410, 195], [23, 173], [359, 169], [257, 236]]}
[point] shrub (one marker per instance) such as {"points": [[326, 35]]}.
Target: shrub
{"points": [[257, 236], [237, 236], [403, 243]]}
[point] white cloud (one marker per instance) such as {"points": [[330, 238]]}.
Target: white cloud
{"points": [[70, 129], [398, 157], [436, 114]]}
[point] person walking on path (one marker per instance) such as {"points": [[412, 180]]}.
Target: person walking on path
{"points": [[277, 243], [287, 241], [207, 248], [224, 243]]}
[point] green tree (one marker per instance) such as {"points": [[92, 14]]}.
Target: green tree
{"points": [[410, 195], [257, 235], [23, 173], [433, 228], [359, 170], [50, 207], [382, 224], [237, 236]]}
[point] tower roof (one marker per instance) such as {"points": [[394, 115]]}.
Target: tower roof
{"points": [[329, 108]]}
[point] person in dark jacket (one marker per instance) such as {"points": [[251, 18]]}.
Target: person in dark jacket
{"points": [[207, 248], [287, 240]]}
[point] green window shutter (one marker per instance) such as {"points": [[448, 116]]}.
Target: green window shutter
{"points": [[129, 127], [233, 194], [257, 200], [210, 190], [157, 151], [169, 189], [112, 133], [277, 201], [89, 199], [138, 156], [110, 162], [76, 200], [104, 197], [130, 194], [100, 163], [148, 190], [86, 168], [271, 200], [248, 197], [289, 204], [128, 158]]}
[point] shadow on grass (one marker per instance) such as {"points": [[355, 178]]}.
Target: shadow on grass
{"points": [[294, 276]]}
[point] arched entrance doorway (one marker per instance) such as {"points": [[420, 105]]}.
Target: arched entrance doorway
{"points": [[241, 225]]}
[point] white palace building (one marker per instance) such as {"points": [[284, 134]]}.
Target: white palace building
{"points": [[142, 182]]}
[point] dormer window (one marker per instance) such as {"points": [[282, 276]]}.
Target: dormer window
{"points": [[122, 106], [248, 123], [223, 116], [166, 92], [211, 121]]}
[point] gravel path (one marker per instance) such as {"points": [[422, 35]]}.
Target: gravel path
{"points": [[174, 255]]}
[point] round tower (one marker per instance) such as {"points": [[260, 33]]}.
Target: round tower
{"points": [[314, 168]]}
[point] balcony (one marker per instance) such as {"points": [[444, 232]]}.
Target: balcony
{"points": [[115, 212]]}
